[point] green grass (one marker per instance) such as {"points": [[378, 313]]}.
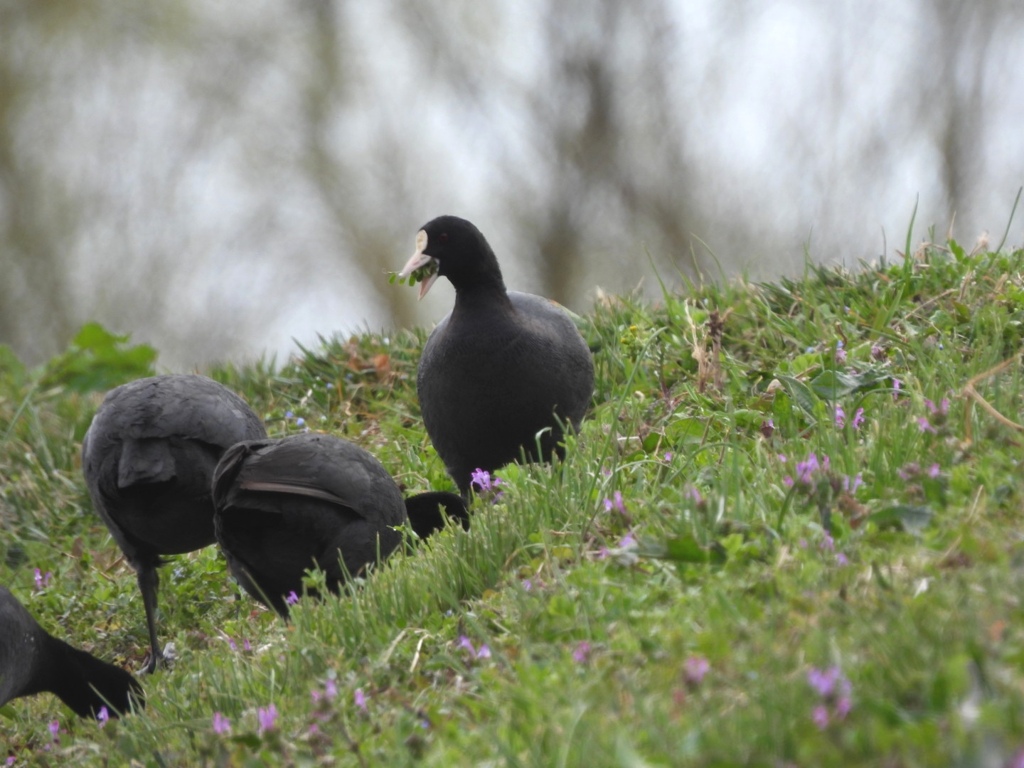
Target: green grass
{"points": [[901, 562]]}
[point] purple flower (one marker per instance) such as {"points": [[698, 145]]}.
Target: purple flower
{"points": [[668, 456], [581, 654], [360, 699], [300, 421], [828, 544], [289, 415], [924, 425], [221, 724], [877, 351], [693, 494], [481, 478], [42, 579], [934, 471], [835, 691], [102, 716], [823, 680], [694, 669], [527, 585], [486, 483], [851, 484], [840, 353], [858, 419], [615, 503], [292, 598], [842, 559], [840, 416], [266, 717], [805, 469], [483, 652], [844, 703], [897, 385], [54, 727], [331, 689]]}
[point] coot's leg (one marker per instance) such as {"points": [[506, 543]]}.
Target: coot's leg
{"points": [[148, 583]]}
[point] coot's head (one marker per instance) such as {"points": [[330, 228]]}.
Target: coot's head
{"points": [[453, 247]]}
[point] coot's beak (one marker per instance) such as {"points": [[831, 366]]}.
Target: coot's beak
{"points": [[420, 260]]}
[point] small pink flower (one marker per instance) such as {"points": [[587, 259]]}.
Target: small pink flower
{"points": [[581, 654], [934, 471], [615, 503], [858, 419], [484, 481], [266, 718], [42, 580], [483, 652], [221, 724], [54, 727], [292, 598], [102, 716], [823, 680], [820, 716], [840, 416], [360, 699], [694, 669]]}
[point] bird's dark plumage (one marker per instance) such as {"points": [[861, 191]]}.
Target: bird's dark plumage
{"points": [[33, 661], [148, 459], [296, 503], [501, 367]]}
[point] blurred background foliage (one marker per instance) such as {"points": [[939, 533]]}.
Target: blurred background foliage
{"points": [[219, 178]]}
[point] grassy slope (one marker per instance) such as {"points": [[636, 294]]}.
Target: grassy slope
{"points": [[593, 617]]}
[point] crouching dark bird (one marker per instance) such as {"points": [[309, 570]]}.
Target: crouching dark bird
{"points": [[312, 501], [32, 661], [148, 459], [504, 371]]}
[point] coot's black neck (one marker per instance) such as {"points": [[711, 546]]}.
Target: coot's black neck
{"points": [[483, 286]]}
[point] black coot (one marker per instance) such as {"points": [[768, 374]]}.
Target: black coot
{"points": [[501, 367], [32, 661], [299, 502], [148, 460]]}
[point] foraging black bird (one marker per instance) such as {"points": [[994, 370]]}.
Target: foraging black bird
{"points": [[32, 661], [498, 369], [148, 459], [312, 500]]}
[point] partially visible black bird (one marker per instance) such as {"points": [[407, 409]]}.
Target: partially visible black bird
{"points": [[32, 661], [148, 459], [312, 501], [501, 367]]}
